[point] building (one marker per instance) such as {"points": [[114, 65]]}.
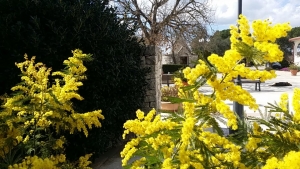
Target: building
{"points": [[296, 49], [181, 53]]}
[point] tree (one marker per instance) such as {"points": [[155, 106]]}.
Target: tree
{"points": [[285, 45], [218, 43], [155, 18], [173, 38]]}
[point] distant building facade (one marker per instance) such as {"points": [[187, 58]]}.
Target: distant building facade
{"points": [[296, 49], [182, 55]]}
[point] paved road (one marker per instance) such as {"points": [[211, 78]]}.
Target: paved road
{"points": [[268, 94]]}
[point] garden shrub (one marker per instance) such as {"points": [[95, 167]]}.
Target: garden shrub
{"points": [[49, 30], [192, 138], [284, 63], [34, 116]]}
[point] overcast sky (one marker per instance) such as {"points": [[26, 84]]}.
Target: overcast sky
{"points": [[278, 11]]}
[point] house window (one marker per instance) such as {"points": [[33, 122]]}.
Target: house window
{"points": [[184, 60]]}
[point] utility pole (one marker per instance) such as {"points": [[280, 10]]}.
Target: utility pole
{"points": [[238, 108]]}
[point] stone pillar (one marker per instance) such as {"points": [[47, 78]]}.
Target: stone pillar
{"points": [[152, 59]]}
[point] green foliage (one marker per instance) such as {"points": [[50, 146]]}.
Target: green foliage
{"points": [[172, 68], [295, 32], [225, 33], [179, 74], [276, 131], [250, 54], [293, 67], [284, 63], [50, 29], [218, 43], [285, 45], [168, 91]]}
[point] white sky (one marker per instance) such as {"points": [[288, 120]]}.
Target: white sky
{"points": [[278, 11]]}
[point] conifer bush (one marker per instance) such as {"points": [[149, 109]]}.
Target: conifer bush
{"points": [[49, 30], [33, 117]]}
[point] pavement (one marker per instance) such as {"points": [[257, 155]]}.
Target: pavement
{"points": [[109, 160], [268, 94]]}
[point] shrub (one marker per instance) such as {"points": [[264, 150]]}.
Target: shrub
{"points": [[293, 67], [32, 119], [168, 91], [284, 63], [116, 81]]}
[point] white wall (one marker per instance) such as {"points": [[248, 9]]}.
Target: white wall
{"points": [[297, 52], [166, 60]]}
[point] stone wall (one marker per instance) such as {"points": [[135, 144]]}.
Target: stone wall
{"points": [[152, 59]]}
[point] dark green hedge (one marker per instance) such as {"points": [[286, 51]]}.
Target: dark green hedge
{"points": [[50, 29], [172, 68], [284, 63]]}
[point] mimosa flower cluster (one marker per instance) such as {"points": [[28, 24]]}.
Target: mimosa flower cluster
{"points": [[34, 162], [192, 138], [32, 118], [276, 146]]}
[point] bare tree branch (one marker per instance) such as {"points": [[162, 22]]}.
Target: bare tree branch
{"points": [[158, 18]]}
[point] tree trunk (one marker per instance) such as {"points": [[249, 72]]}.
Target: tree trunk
{"points": [[173, 57]]}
